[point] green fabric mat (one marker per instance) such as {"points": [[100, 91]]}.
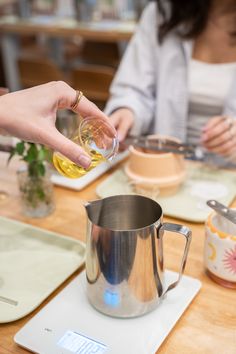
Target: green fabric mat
{"points": [[33, 263], [189, 203]]}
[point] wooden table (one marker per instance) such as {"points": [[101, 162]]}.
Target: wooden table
{"points": [[208, 326], [11, 28]]}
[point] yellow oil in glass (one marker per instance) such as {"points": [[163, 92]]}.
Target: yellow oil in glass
{"points": [[69, 169]]}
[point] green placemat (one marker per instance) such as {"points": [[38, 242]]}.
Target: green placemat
{"points": [[189, 203], [33, 263]]}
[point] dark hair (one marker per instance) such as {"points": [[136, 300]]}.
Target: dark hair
{"points": [[193, 14]]}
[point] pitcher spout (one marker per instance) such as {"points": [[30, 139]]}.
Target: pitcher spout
{"points": [[93, 210], [86, 205]]}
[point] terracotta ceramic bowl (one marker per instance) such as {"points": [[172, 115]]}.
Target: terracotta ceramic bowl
{"points": [[152, 171]]}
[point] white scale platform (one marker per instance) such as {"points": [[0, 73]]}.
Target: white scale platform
{"points": [[69, 324]]}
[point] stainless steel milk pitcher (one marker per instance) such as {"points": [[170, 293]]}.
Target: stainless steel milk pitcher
{"points": [[124, 260]]}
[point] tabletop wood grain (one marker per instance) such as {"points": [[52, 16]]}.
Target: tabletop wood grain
{"points": [[208, 326]]}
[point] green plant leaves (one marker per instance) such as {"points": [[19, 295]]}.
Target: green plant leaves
{"points": [[41, 169], [42, 154], [34, 155], [20, 147], [12, 153], [17, 150]]}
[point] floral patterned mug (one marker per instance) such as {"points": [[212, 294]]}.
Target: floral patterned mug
{"points": [[220, 250]]}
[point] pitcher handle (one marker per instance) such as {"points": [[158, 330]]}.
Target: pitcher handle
{"points": [[182, 230]]}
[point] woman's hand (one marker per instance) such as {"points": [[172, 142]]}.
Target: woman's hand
{"points": [[123, 120], [219, 136], [31, 115]]}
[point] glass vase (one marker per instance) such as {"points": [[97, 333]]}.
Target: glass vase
{"points": [[37, 198]]}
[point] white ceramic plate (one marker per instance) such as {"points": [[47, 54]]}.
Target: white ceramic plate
{"points": [[82, 182]]}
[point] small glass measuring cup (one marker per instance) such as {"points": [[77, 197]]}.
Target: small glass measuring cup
{"points": [[98, 138]]}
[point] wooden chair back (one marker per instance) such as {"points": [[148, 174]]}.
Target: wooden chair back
{"points": [[37, 71], [101, 53], [94, 81]]}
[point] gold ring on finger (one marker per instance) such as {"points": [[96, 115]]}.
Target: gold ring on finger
{"points": [[79, 95]]}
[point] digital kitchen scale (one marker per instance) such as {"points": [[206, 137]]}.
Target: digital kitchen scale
{"points": [[69, 324]]}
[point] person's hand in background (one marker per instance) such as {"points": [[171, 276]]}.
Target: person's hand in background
{"points": [[123, 120], [219, 136], [31, 115]]}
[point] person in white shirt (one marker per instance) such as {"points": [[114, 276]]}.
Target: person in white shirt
{"points": [[178, 75]]}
